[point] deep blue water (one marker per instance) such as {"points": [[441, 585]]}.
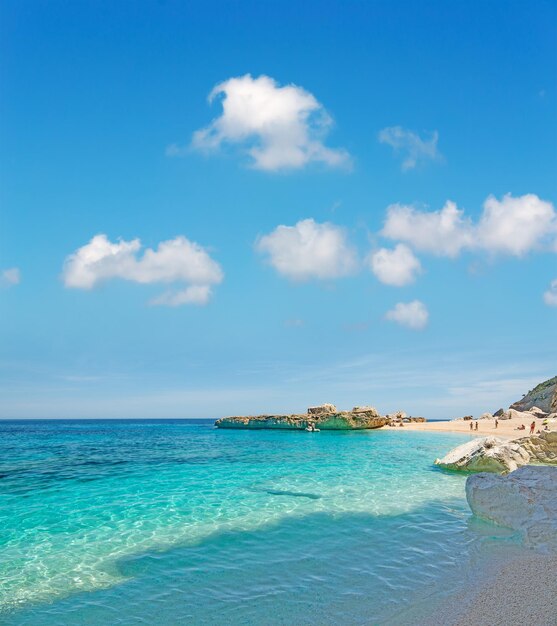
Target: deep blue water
{"points": [[173, 522]]}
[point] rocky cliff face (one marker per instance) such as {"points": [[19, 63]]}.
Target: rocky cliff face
{"points": [[544, 396], [324, 417]]}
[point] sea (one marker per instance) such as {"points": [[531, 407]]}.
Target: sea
{"points": [[176, 522]]}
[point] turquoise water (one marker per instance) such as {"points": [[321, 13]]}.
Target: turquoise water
{"points": [[172, 522]]}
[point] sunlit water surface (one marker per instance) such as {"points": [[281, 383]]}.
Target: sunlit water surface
{"points": [[172, 522]]}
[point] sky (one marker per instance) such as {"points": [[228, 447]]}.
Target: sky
{"points": [[219, 208]]}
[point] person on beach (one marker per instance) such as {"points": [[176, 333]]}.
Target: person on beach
{"points": [[496, 422], [476, 426], [471, 425], [532, 427]]}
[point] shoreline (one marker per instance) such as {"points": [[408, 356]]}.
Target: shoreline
{"points": [[507, 429]]}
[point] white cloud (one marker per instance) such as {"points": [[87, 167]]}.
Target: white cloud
{"points": [[414, 149], [9, 277], [194, 294], [444, 233], [308, 250], [550, 296], [516, 225], [174, 261], [279, 127], [413, 314], [396, 267], [512, 225]]}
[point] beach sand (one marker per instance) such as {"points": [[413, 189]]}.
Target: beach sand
{"points": [[507, 429], [521, 592]]}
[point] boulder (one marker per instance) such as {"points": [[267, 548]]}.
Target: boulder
{"points": [[542, 448], [486, 416], [485, 454], [514, 414], [321, 409], [365, 409], [525, 500], [499, 412], [536, 412]]}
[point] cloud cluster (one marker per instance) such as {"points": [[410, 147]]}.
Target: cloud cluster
{"points": [[278, 127], [517, 226], [397, 267], [550, 296], [10, 277], [177, 261], [443, 233], [308, 250], [512, 225], [413, 315], [411, 146]]}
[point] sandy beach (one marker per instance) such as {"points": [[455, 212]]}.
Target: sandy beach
{"points": [[506, 429], [532, 601]]}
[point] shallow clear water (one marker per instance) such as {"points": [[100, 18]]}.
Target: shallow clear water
{"points": [[174, 522]]}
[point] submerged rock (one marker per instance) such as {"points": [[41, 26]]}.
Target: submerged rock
{"points": [[525, 500], [485, 454], [324, 417]]}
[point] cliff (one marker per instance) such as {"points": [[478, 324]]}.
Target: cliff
{"points": [[324, 417], [544, 396]]}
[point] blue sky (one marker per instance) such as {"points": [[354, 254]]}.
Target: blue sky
{"points": [[287, 281]]}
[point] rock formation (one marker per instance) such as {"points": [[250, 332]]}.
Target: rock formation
{"points": [[485, 416], [491, 454], [542, 448], [323, 417], [485, 454], [525, 500], [322, 409], [543, 396]]}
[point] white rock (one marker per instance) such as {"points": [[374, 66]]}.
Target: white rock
{"points": [[485, 454], [525, 500], [321, 409], [365, 409], [542, 448], [513, 414], [486, 416]]}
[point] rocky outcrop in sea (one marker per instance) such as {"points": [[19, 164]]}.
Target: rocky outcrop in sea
{"points": [[322, 417]]}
